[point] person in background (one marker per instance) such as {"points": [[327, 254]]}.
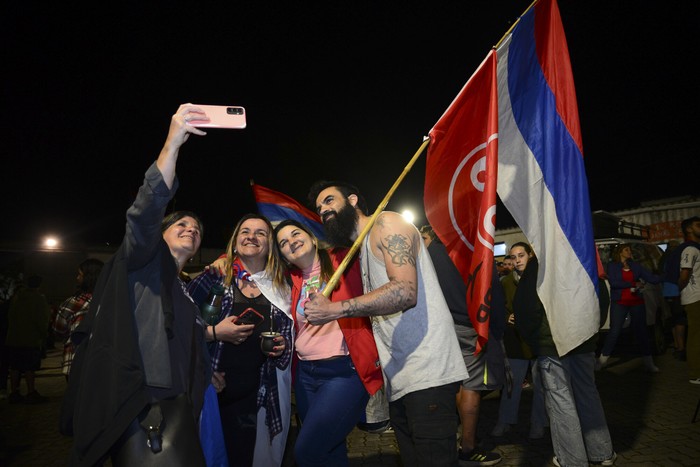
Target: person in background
{"points": [[27, 328], [8, 285], [254, 387], [338, 365], [577, 421], [508, 265], [72, 311], [626, 279], [141, 367], [410, 320], [670, 272], [501, 269], [520, 357], [487, 368], [689, 286]]}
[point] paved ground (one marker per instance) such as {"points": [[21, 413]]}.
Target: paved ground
{"points": [[649, 416]]}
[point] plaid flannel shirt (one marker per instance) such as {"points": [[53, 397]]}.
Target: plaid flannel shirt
{"points": [[69, 316], [268, 395]]}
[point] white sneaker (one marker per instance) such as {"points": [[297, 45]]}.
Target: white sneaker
{"points": [[649, 364], [610, 461], [601, 362], [694, 381]]}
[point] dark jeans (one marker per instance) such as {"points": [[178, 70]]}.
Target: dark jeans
{"points": [[330, 399], [239, 423], [638, 323], [425, 424]]}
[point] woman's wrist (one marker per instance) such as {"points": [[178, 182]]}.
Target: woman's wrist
{"points": [[213, 333]]}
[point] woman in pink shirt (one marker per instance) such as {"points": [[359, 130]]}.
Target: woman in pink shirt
{"points": [[337, 365]]}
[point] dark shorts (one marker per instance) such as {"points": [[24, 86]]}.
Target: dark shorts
{"points": [[23, 358], [678, 316], [487, 368]]}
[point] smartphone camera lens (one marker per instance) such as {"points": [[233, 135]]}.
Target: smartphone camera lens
{"points": [[234, 110]]}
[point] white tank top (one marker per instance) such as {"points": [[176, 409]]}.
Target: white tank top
{"points": [[418, 348]]}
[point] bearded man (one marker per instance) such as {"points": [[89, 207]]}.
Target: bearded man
{"points": [[413, 329]]}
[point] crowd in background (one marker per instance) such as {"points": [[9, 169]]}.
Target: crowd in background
{"points": [[226, 393]]}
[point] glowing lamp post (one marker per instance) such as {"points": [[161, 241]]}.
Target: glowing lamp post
{"points": [[408, 215], [51, 243]]}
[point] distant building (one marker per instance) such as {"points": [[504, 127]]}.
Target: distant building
{"points": [[655, 221], [663, 217]]}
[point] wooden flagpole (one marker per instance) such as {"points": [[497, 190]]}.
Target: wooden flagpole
{"points": [[333, 282], [510, 29]]}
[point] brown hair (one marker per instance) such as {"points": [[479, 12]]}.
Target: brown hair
{"points": [[618, 249], [327, 269], [173, 217], [91, 269]]}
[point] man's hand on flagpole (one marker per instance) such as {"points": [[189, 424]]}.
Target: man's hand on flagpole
{"points": [[320, 310]]}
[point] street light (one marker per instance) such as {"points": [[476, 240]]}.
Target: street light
{"points": [[51, 243]]}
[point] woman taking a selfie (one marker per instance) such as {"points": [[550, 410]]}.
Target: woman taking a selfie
{"points": [[141, 367]]}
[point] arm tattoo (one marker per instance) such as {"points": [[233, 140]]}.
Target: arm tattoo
{"points": [[400, 249], [349, 307], [396, 296]]}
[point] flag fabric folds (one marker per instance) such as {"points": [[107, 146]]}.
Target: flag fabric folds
{"points": [[542, 180], [277, 207], [533, 154], [460, 187]]}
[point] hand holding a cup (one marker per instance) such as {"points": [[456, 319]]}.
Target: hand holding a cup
{"points": [[272, 344]]}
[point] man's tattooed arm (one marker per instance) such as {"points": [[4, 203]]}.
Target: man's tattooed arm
{"points": [[399, 251], [391, 297]]}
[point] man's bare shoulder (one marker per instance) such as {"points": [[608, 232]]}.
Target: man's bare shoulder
{"points": [[390, 221]]}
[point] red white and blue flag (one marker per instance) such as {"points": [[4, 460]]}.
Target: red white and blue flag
{"points": [[277, 207], [460, 187], [540, 176], [542, 179]]}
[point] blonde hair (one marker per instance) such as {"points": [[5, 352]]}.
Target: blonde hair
{"points": [[272, 266]]}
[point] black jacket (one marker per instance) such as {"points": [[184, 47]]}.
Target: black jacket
{"points": [[114, 377]]}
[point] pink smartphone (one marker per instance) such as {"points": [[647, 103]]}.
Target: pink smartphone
{"points": [[221, 116]]}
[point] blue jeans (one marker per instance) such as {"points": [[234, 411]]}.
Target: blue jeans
{"points": [[576, 418], [425, 424], [330, 399], [638, 318], [509, 406]]}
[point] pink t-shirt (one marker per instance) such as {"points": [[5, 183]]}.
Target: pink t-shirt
{"points": [[316, 342]]}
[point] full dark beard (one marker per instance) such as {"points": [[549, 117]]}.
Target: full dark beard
{"points": [[339, 229]]}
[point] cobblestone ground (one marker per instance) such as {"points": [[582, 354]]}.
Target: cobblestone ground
{"points": [[649, 416]]}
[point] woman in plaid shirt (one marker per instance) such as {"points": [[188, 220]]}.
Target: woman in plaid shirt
{"points": [[71, 312]]}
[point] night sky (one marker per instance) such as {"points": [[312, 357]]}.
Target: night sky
{"points": [[333, 90]]}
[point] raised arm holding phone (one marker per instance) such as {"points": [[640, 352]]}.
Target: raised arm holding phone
{"points": [[141, 367]]}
